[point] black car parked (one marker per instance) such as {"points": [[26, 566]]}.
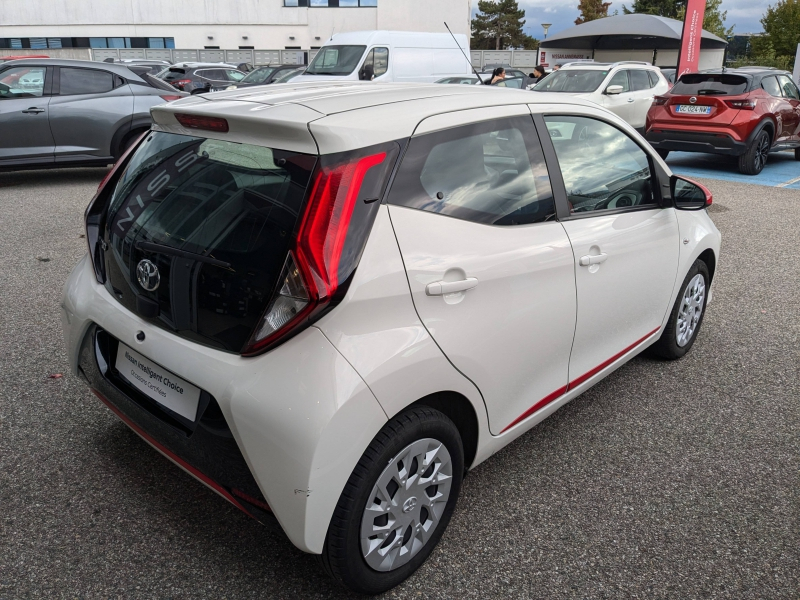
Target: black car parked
{"points": [[199, 78]]}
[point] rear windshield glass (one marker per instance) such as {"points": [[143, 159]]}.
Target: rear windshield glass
{"points": [[173, 74], [259, 75], [711, 84], [229, 210], [336, 60], [571, 80]]}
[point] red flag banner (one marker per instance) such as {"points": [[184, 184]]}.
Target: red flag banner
{"points": [[689, 58]]}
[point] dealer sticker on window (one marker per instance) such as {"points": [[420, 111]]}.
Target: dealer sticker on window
{"points": [[157, 383]]}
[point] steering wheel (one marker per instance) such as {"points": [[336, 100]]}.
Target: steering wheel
{"points": [[621, 199]]}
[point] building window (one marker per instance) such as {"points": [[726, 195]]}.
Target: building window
{"points": [[331, 3], [95, 42]]}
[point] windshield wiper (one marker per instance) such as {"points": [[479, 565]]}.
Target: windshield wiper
{"points": [[170, 251]]}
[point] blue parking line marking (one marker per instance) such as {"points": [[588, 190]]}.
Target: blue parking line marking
{"points": [[781, 170]]}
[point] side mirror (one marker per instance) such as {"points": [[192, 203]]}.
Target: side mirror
{"points": [[613, 90], [688, 194]]}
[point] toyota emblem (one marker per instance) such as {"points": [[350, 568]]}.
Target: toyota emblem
{"points": [[148, 275], [693, 99]]}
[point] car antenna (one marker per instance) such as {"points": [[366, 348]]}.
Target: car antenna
{"points": [[465, 55]]}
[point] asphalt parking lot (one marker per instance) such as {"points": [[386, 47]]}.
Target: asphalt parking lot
{"points": [[667, 480]]}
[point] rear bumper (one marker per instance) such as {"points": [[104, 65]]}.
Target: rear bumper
{"points": [[291, 426], [694, 141]]}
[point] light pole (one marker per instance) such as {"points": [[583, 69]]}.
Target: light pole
{"points": [[546, 26]]}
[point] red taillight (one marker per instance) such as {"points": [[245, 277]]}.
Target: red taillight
{"points": [[660, 100], [311, 274], [170, 98], [324, 227], [217, 124], [181, 82], [742, 104]]}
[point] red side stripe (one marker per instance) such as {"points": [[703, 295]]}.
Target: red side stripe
{"points": [[174, 457], [540, 404], [600, 367], [575, 382]]}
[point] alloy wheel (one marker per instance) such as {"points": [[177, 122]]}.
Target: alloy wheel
{"points": [[691, 309], [406, 504], [762, 151]]}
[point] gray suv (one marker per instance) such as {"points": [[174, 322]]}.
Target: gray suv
{"points": [[59, 113]]}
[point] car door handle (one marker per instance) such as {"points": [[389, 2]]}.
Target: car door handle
{"points": [[630, 99], [442, 288], [595, 259], [33, 110]]}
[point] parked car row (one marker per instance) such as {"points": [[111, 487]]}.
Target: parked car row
{"points": [[73, 112]]}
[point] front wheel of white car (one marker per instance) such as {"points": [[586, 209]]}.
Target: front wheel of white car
{"points": [[397, 502], [687, 315]]}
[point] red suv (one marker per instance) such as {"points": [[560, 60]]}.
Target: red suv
{"points": [[747, 112]]}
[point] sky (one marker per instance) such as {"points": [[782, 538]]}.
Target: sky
{"points": [[745, 15]]}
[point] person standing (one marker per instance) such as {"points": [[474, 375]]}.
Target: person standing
{"points": [[538, 74], [499, 74]]}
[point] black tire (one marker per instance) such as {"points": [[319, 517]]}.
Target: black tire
{"points": [[667, 346], [755, 157], [341, 557], [663, 154]]}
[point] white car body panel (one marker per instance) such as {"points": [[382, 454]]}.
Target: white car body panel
{"points": [[291, 411], [624, 299], [304, 412], [378, 331], [494, 333]]}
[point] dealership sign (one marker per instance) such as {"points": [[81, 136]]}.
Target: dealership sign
{"points": [[550, 57], [689, 57]]}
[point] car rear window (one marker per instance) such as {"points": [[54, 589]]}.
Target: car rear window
{"points": [[577, 81], [711, 84], [217, 219], [173, 74]]}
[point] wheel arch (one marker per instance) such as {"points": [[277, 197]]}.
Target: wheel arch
{"points": [[766, 124], [710, 259], [460, 410]]}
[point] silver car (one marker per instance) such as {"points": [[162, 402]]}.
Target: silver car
{"points": [[72, 112]]}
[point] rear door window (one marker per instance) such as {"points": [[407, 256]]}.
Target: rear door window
{"points": [[654, 79], [85, 81], [233, 75], [711, 84], [639, 80], [771, 86], [492, 173]]}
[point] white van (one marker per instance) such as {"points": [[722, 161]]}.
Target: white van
{"points": [[389, 56]]}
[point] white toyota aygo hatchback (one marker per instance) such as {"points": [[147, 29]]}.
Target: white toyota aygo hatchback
{"points": [[328, 301]]}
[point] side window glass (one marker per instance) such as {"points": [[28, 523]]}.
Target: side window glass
{"points": [[381, 61], [770, 85], [492, 173], [22, 82], [234, 75], [789, 88], [640, 80], [621, 78], [653, 78], [603, 168], [85, 81], [367, 71]]}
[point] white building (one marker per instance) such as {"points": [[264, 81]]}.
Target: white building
{"points": [[226, 24]]}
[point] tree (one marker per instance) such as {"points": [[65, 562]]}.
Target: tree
{"points": [[782, 27], [714, 20], [592, 10], [498, 26]]}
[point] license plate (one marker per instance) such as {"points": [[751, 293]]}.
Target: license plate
{"points": [[693, 110], [157, 383]]}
